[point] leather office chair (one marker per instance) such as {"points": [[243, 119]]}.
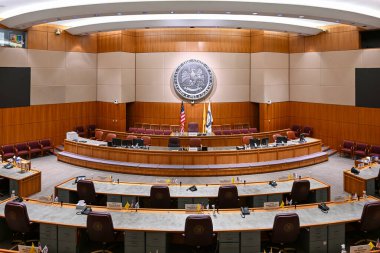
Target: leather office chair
{"points": [[347, 147], [7, 151], [374, 151], [159, 132], [174, 142], [369, 222], [131, 137], [22, 149], [98, 135], [296, 129], [291, 135], [228, 197], [192, 127], [80, 131], [167, 132], [199, 232], [246, 139], [195, 142], [35, 148], [17, 218], [275, 137], [160, 197], [109, 137], [285, 231], [236, 131], [307, 131], [252, 130], [140, 130], [100, 229], [91, 131], [300, 191], [227, 132], [147, 140], [360, 149], [244, 131], [149, 131], [47, 146], [132, 130], [86, 191]]}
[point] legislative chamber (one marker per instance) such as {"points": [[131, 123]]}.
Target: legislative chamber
{"points": [[189, 126]]}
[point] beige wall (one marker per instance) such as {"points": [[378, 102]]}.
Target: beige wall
{"points": [[328, 77], [56, 77], [269, 77], [116, 77], [154, 72]]}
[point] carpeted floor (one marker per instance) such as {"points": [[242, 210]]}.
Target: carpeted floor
{"points": [[54, 172]]}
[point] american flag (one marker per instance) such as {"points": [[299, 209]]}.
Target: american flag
{"points": [[183, 118]]}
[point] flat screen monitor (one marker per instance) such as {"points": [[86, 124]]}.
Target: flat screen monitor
{"points": [[281, 140], [126, 143], [138, 142], [254, 143], [264, 141], [116, 142]]}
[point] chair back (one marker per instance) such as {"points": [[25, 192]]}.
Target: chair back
{"points": [[296, 128], [307, 130], [132, 129], [252, 130], [99, 135], [300, 191], [236, 131], [286, 228], [147, 140], [228, 197], [45, 143], [192, 127], [361, 146], [246, 139], [167, 132], [348, 144], [149, 131], [218, 132], [375, 149], [22, 147], [173, 142], [100, 227], [160, 197], [7, 149], [227, 132], [195, 142], [16, 216], [159, 131], [131, 137], [291, 135], [34, 145], [110, 136], [244, 130], [86, 191], [370, 220], [199, 230], [275, 137]]}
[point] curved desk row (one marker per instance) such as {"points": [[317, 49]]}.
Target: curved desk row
{"points": [[208, 140], [254, 194], [364, 181], [217, 161], [147, 230]]}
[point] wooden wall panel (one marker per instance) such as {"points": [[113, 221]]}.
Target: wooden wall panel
{"points": [[111, 116], [267, 41], [168, 113], [44, 121], [116, 41], [274, 116]]}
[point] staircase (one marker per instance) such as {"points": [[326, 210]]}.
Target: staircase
{"points": [[328, 150]]}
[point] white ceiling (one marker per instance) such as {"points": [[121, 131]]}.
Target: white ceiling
{"points": [[86, 16]]}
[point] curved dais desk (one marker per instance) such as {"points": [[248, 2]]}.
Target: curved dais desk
{"points": [[147, 229], [364, 181], [252, 194], [215, 161]]}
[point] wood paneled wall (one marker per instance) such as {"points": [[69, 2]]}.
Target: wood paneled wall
{"points": [[43, 37], [111, 116], [335, 38], [44, 121], [335, 123], [117, 41], [267, 41], [168, 113], [274, 116]]}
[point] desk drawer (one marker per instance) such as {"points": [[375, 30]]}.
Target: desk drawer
{"points": [[317, 247], [229, 237], [66, 246], [336, 231], [250, 249], [134, 239], [228, 247], [250, 239], [156, 239], [48, 231], [318, 233], [67, 234]]}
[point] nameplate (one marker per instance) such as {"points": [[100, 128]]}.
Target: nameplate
{"points": [[192, 134], [225, 181], [26, 249], [271, 205], [193, 149], [161, 181], [360, 249], [114, 205], [192, 208]]}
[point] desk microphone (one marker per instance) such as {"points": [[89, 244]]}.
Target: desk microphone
{"points": [[118, 181]]}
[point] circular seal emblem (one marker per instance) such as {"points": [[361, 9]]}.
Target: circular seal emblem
{"points": [[193, 80]]}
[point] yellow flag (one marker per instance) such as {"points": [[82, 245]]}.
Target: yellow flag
{"points": [[168, 181], [233, 180], [198, 207], [127, 205], [204, 118], [32, 249], [290, 176], [282, 204], [371, 245]]}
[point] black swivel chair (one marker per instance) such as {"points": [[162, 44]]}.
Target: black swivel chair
{"points": [[300, 191], [228, 197], [100, 229], [17, 218], [199, 233], [160, 197], [369, 222], [86, 191], [174, 142], [286, 228]]}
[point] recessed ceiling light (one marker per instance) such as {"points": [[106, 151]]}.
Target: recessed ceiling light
{"points": [[255, 13], [279, 15], [301, 16], [228, 12], [119, 13], [172, 12]]}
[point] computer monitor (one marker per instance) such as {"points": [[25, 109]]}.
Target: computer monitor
{"points": [[126, 143], [281, 140], [264, 142], [138, 142], [254, 143], [116, 142]]}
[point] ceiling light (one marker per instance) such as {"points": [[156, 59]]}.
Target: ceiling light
{"points": [[255, 13], [171, 12], [119, 13], [279, 15], [301, 16], [228, 12]]}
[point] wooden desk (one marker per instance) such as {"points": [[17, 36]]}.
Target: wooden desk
{"points": [[209, 141], [147, 229], [364, 181], [216, 161], [253, 194], [24, 184]]}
